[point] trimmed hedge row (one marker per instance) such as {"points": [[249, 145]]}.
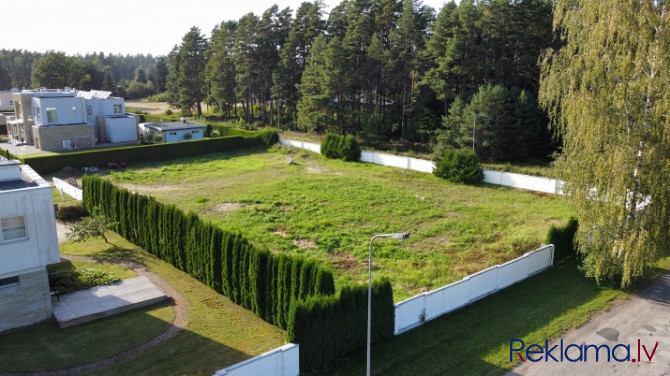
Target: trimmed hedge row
{"points": [[45, 164], [563, 240], [329, 327], [225, 261], [336, 146]]}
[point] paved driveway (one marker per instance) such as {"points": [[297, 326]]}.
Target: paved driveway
{"points": [[644, 317]]}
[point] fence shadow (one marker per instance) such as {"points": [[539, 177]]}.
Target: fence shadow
{"points": [[475, 340]]}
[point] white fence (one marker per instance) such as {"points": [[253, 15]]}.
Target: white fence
{"points": [[64, 187], [282, 361], [418, 309], [507, 179]]}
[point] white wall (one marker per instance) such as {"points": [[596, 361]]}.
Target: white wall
{"points": [[418, 309], [6, 101], [63, 105], [121, 129], [282, 361], [178, 135], [507, 179], [41, 246]]}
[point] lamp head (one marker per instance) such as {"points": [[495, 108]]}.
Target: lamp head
{"points": [[400, 235]]}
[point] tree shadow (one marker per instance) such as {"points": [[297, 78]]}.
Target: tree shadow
{"points": [[475, 339]]}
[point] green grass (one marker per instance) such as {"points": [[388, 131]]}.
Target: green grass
{"points": [[537, 168], [329, 209], [475, 340], [218, 334]]}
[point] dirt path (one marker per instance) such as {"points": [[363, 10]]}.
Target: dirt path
{"points": [[644, 317], [178, 324]]}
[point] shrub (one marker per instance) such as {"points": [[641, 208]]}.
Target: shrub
{"points": [[340, 147], [187, 136], [65, 279], [459, 166], [214, 134], [70, 210], [563, 240]]}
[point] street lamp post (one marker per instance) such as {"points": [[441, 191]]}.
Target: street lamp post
{"points": [[474, 126], [397, 235]]}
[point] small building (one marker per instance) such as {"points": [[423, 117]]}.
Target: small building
{"points": [[28, 243], [173, 131]]}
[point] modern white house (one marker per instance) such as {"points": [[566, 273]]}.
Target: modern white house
{"points": [[28, 243], [66, 119], [173, 131]]}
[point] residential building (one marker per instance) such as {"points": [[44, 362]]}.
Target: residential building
{"points": [[173, 131], [28, 243], [66, 119], [6, 101]]}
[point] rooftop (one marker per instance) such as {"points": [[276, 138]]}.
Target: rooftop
{"points": [[174, 125]]}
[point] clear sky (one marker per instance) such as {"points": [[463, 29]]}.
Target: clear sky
{"points": [[123, 26]]}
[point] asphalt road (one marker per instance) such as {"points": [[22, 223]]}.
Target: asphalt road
{"points": [[644, 317]]}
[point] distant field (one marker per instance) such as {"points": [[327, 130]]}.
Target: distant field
{"points": [[329, 210], [149, 107]]}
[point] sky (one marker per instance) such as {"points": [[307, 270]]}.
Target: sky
{"points": [[123, 26]]}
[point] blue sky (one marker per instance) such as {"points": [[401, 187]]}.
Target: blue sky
{"points": [[123, 26]]}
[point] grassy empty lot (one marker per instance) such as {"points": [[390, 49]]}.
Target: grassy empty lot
{"points": [[329, 209]]}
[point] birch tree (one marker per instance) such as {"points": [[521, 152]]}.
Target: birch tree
{"points": [[606, 91]]}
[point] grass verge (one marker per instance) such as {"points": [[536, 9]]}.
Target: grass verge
{"points": [[218, 334]]}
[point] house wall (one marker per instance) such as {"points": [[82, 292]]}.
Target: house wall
{"points": [[178, 135], [52, 137], [27, 302], [6, 101], [63, 106], [121, 129]]}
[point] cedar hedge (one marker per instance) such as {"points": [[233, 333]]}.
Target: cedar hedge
{"points": [[290, 292], [563, 240], [223, 260], [45, 164]]}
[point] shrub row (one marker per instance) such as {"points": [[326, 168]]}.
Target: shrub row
{"points": [[459, 166], [329, 327], [225, 261], [336, 146], [563, 240], [45, 164]]}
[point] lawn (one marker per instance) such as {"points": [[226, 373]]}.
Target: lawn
{"points": [[329, 209], [218, 334]]}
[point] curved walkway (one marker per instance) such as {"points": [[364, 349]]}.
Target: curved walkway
{"points": [[181, 319]]}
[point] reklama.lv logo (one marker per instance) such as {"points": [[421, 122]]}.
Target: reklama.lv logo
{"points": [[579, 353]]}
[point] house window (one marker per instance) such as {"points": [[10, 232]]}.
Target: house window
{"points": [[173, 133], [9, 281], [12, 228], [52, 116], [194, 131], [89, 110], [11, 103], [74, 111], [118, 109], [38, 116]]}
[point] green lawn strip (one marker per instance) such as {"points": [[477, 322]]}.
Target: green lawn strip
{"points": [[475, 340], [329, 209], [536, 168], [219, 333], [46, 347]]}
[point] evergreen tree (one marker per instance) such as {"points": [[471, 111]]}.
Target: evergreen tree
{"points": [[161, 75], [191, 77], [606, 93]]}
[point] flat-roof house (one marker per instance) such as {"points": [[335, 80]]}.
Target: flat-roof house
{"points": [[65, 119], [28, 243], [173, 131]]}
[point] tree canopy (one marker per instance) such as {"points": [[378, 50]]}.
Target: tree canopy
{"points": [[606, 93]]}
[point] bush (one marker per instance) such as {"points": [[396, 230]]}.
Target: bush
{"points": [[70, 210], [187, 136], [340, 147], [64, 278], [214, 134], [459, 166], [563, 240]]}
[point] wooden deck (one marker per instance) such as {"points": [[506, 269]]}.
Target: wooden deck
{"points": [[102, 301]]}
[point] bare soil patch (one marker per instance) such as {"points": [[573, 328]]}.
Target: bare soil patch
{"points": [[304, 243], [225, 207]]}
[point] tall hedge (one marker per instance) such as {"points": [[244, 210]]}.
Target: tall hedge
{"points": [[563, 240], [223, 260], [45, 164], [328, 327]]}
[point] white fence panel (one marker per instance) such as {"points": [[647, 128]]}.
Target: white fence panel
{"points": [[391, 160], [483, 283], [367, 156], [414, 311], [513, 271], [282, 361], [311, 146], [493, 177], [535, 183], [408, 311], [421, 165], [62, 186]]}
